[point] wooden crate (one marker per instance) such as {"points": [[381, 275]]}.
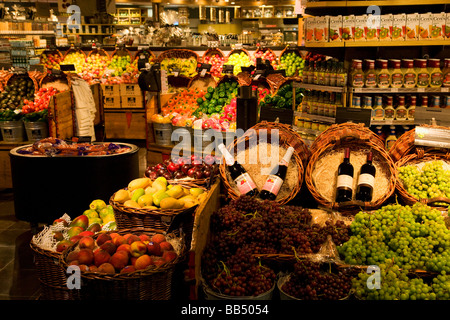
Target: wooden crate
{"points": [[130, 89], [125, 125], [109, 90], [97, 94], [112, 102], [132, 102], [61, 118], [5, 166]]}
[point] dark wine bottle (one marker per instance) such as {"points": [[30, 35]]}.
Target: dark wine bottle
{"points": [[240, 176], [344, 186], [366, 180], [276, 177]]}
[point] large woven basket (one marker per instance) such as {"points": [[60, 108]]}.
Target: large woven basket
{"points": [[263, 50], [99, 51], [73, 50], [177, 53], [202, 83], [212, 51], [421, 155], [121, 52], [237, 51], [148, 53], [52, 278], [152, 283], [252, 137], [297, 51], [275, 81], [355, 137]]}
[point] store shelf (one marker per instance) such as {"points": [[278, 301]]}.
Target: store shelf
{"points": [[395, 43], [319, 87], [307, 131], [315, 117], [33, 32], [391, 122], [357, 3], [399, 90]]}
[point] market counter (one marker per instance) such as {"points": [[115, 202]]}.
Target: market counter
{"points": [[46, 187]]}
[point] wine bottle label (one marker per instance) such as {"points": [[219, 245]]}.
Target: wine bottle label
{"points": [[344, 181], [366, 179], [273, 184], [244, 183]]}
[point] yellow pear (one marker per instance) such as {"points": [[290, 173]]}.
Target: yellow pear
{"points": [[145, 200], [161, 179], [131, 204], [139, 183], [158, 185], [150, 208], [158, 196], [137, 194], [175, 191], [150, 190], [196, 191], [171, 203], [186, 191], [187, 199], [121, 196], [189, 204]]}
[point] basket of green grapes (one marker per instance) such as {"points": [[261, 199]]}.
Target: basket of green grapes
{"points": [[425, 177]]}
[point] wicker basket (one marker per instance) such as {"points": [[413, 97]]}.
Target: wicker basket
{"points": [[121, 52], [297, 51], [71, 50], [148, 53], [202, 82], [48, 78], [53, 51], [11, 76], [355, 137], [100, 51], [263, 50], [212, 51], [237, 51], [152, 283], [275, 81], [252, 136], [177, 53], [52, 278], [422, 155]]}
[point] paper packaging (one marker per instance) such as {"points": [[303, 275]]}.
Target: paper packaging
{"points": [[321, 29], [371, 27], [412, 26], [334, 29], [425, 25], [384, 32], [437, 30], [309, 29], [358, 28], [348, 23], [447, 26], [398, 27]]}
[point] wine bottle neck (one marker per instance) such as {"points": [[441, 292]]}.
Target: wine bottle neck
{"points": [[287, 155], [229, 159]]}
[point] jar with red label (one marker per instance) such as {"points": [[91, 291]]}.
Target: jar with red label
{"points": [[401, 111], [424, 101], [446, 73], [423, 76], [412, 108], [383, 74], [409, 74], [436, 75], [357, 74], [396, 73], [389, 111], [370, 75]]}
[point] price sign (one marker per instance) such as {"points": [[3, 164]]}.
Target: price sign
{"points": [[227, 68], [37, 67], [432, 137], [203, 69], [425, 115], [355, 115], [176, 72], [67, 67]]}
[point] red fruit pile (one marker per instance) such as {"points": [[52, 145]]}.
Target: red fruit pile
{"points": [[266, 55], [194, 167], [41, 100], [216, 62]]}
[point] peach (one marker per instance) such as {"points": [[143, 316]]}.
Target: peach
{"points": [[119, 260], [154, 249], [93, 268], [132, 238], [128, 269], [86, 256], [144, 238], [165, 246], [124, 247], [72, 256], [102, 238], [86, 233], [106, 268], [109, 247], [63, 245], [158, 261], [58, 236], [74, 263], [114, 234], [75, 238], [133, 260], [158, 238], [138, 248], [101, 256], [169, 256], [83, 267], [143, 262], [118, 240], [86, 243]]}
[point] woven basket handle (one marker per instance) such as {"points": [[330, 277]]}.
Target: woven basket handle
{"points": [[351, 135], [435, 201]]}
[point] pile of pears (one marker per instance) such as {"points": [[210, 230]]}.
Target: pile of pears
{"points": [[144, 193]]}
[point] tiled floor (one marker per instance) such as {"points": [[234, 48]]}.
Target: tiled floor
{"points": [[18, 277]]}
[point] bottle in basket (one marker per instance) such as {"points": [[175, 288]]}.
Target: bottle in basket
{"points": [[276, 177], [344, 187], [239, 175], [366, 180]]}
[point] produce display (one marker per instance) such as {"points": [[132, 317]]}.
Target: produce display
{"points": [[78, 59], [238, 60], [157, 194], [116, 253], [283, 98], [182, 66], [13, 97], [215, 99], [37, 109], [426, 180], [120, 64], [216, 62], [292, 63], [183, 103], [51, 60], [266, 55], [94, 67]]}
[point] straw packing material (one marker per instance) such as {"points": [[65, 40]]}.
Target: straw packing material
{"points": [[324, 173], [258, 162], [45, 239]]}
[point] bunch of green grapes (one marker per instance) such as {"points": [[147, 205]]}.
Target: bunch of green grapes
{"points": [[441, 286], [430, 182], [394, 284], [415, 237]]}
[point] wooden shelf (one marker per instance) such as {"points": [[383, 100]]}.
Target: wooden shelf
{"points": [[394, 43], [391, 122], [315, 117], [319, 87], [400, 90]]}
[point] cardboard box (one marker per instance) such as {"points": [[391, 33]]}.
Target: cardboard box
{"points": [[321, 29], [437, 28], [334, 29], [110, 90], [132, 102], [309, 29], [425, 25], [384, 32], [412, 26], [358, 28], [371, 27], [111, 102], [398, 27], [129, 89], [348, 23]]}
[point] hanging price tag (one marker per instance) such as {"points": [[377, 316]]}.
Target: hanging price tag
{"points": [[355, 115], [432, 137]]}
